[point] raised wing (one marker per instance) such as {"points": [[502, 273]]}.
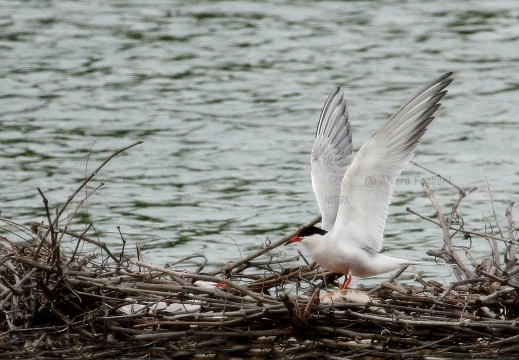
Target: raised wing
{"points": [[368, 183], [331, 156]]}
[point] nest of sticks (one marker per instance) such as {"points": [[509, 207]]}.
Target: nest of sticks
{"points": [[57, 302]]}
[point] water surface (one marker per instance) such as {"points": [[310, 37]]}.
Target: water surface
{"points": [[226, 96]]}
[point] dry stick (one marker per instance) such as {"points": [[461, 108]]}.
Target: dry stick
{"points": [[206, 334], [189, 257], [124, 244], [8, 287], [394, 287], [504, 281], [349, 333], [277, 279], [71, 216], [495, 261], [229, 267], [493, 208], [139, 253], [55, 255], [418, 278], [461, 191], [78, 242], [215, 279], [495, 295], [512, 249], [499, 344], [19, 227], [407, 320], [200, 319], [129, 289], [88, 161], [50, 228], [85, 182], [445, 227], [391, 279], [37, 229], [100, 244], [454, 285], [47, 211], [274, 262], [467, 232], [493, 244], [470, 256]]}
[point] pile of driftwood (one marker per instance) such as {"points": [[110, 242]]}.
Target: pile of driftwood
{"points": [[58, 303]]}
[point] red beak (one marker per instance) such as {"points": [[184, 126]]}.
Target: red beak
{"points": [[294, 239]]}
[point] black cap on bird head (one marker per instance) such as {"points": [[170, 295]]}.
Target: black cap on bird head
{"points": [[305, 232]]}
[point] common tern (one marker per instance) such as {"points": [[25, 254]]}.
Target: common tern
{"points": [[354, 192]]}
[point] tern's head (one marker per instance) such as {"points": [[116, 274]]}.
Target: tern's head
{"points": [[307, 235]]}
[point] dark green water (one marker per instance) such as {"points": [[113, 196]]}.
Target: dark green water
{"points": [[226, 96]]}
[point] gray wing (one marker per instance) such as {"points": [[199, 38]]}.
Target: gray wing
{"points": [[368, 183], [332, 153]]}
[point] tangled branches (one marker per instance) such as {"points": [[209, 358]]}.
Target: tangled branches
{"points": [[101, 304]]}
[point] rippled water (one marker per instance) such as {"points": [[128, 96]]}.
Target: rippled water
{"points": [[226, 96]]}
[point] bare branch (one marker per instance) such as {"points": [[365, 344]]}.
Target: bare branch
{"points": [[87, 180], [445, 225], [229, 267]]}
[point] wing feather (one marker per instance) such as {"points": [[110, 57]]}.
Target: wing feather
{"points": [[367, 185], [331, 155]]}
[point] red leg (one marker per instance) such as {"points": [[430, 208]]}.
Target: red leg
{"points": [[347, 281]]}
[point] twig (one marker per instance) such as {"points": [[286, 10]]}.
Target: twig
{"points": [[391, 279], [511, 228], [55, 256], [94, 173], [100, 244], [214, 279], [493, 243], [189, 257], [493, 208], [124, 244], [51, 227], [22, 228], [463, 231], [229, 267], [460, 190], [474, 317], [445, 224], [78, 242], [71, 216]]}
